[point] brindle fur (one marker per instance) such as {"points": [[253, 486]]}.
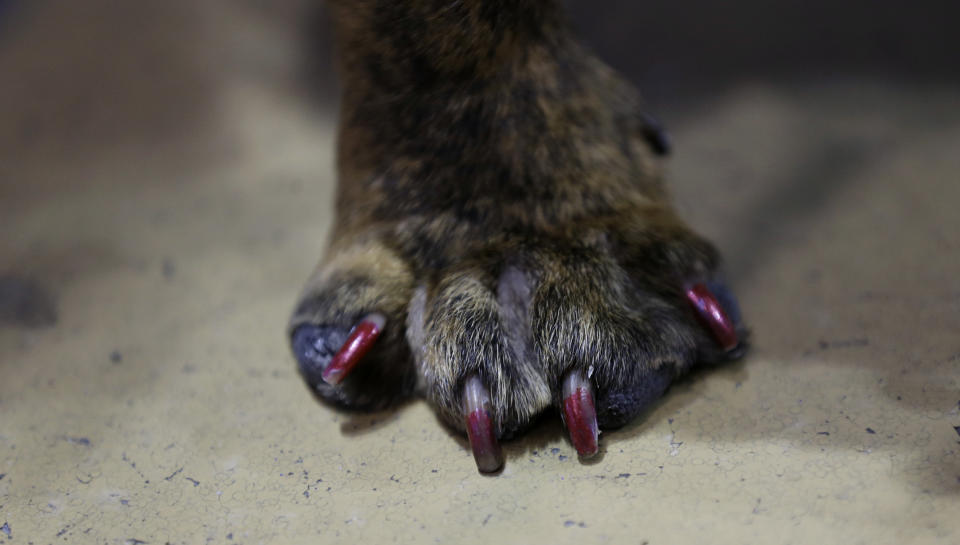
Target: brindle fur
{"points": [[501, 202]]}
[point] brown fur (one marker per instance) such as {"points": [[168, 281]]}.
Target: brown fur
{"points": [[501, 203]]}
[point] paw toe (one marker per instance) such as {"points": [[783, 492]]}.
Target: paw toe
{"points": [[617, 406], [379, 372]]}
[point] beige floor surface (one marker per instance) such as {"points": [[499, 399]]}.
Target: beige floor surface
{"points": [[159, 213]]}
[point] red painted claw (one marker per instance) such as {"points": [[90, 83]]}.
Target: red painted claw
{"points": [[359, 342], [483, 438], [713, 316], [580, 414]]}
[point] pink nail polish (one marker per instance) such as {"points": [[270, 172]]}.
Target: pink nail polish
{"points": [[483, 438], [580, 414], [712, 315], [359, 342]]}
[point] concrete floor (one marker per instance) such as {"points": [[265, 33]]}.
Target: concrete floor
{"points": [[160, 211]]}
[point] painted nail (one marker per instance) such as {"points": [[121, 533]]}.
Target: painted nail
{"points": [[359, 342], [483, 439], [580, 413], [713, 316]]}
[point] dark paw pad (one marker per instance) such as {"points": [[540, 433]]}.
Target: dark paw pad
{"points": [[618, 407], [314, 347]]}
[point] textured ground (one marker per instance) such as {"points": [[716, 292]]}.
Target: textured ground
{"points": [[161, 205]]}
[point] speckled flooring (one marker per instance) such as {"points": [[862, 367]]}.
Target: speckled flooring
{"points": [[158, 219]]}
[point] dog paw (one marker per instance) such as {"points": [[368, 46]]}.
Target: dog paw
{"points": [[594, 324], [504, 243]]}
